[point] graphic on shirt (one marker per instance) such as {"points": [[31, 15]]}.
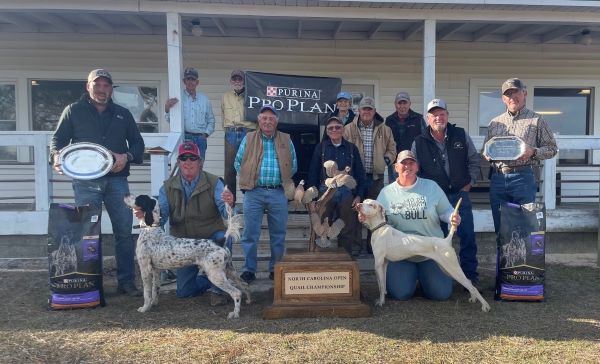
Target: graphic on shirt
{"points": [[412, 208]]}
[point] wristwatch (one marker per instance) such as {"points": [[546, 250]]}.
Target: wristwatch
{"points": [[129, 157]]}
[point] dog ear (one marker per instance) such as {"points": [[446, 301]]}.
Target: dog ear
{"points": [[381, 210], [147, 205]]}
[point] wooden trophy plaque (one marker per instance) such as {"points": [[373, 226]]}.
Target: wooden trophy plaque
{"points": [[320, 282]]}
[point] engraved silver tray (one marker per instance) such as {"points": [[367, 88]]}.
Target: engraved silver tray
{"points": [[85, 160], [505, 148]]}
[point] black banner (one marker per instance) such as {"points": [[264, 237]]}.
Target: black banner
{"points": [[300, 100]]}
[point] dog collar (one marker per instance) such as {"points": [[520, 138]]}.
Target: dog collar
{"points": [[378, 226], [145, 226]]}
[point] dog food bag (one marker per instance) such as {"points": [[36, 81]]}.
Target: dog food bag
{"points": [[74, 257], [520, 259]]}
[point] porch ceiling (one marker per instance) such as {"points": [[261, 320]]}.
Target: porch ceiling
{"points": [[301, 27]]}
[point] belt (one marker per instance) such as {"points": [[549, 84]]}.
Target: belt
{"points": [[270, 187], [231, 128], [507, 169], [197, 134]]}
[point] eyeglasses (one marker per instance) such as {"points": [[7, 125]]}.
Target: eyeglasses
{"points": [[184, 158], [334, 127], [190, 79]]}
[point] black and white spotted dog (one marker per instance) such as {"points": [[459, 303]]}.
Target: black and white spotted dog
{"points": [[158, 251]]}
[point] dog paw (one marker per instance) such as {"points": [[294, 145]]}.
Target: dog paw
{"points": [[379, 302], [143, 309], [233, 315], [472, 299], [485, 307]]}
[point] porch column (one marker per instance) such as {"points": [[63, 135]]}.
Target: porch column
{"points": [[174, 62], [428, 62]]}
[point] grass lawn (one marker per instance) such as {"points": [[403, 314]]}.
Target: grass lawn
{"points": [[563, 329]]}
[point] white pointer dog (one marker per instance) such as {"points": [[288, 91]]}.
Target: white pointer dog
{"points": [[157, 251], [390, 245]]}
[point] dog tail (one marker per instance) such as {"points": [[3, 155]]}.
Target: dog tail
{"points": [[234, 225], [452, 227]]}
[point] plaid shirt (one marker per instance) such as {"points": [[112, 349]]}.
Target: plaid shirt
{"points": [[530, 127], [268, 174], [367, 136]]}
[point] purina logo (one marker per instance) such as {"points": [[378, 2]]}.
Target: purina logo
{"points": [[293, 93]]}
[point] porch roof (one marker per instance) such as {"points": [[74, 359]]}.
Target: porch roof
{"points": [[509, 21]]}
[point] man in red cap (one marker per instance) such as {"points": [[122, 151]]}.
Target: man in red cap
{"points": [[193, 202]]}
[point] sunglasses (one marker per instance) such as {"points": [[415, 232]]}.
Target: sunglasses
{"points": [[334, 127], [184, 158]]}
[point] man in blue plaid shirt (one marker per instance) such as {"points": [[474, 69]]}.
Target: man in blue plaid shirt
{"points": [[265, 163]]}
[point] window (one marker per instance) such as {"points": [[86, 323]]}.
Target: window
{"points": [[8, 118], [490, 106], [49, 98], [567, 111]]}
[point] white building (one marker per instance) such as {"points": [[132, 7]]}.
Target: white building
{"points": [[457, 50]]}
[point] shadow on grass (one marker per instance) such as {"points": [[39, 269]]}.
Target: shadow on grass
{"points": [[570, 312]]}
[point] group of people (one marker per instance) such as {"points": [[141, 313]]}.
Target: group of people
{"points": [[431, 165]]}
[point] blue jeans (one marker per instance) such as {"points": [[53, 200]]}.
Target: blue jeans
{"points": [[519, 188], [189, 283], [402, 277], [200, 141], [111, 190], [392, 174], [233, 138], [256, 202], [466, 233]]}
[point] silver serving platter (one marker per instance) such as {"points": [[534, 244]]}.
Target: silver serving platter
{"points": [[505, 148], [85, 160]]}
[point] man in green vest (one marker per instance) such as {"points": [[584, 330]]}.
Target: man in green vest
{"points": [[193, 202]]}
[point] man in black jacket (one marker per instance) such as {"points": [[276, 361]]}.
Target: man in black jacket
{"points": [[334, 147], [95, 118], [406, 125], [446, 154]]}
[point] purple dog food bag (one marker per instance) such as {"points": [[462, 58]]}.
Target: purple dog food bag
{"points": [[520, 259], [74, 257]]}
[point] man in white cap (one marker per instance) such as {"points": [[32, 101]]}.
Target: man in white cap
{"points": [[406, 125], [447, 155], [234, 124], [196, 110], [515, 180], [97, 119]]}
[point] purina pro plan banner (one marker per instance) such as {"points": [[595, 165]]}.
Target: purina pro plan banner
{"points": [[301, 100]]}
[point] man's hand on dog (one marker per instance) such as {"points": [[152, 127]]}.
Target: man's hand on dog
{"points": [[138, 213]]}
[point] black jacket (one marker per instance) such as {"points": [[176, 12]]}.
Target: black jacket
{"points": [[431, 163], [344, 155], [406, 132], [117, 131]]}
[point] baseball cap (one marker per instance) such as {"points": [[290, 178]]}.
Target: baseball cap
{"points": [[100, 72], [405, 154], [436, 104], [268, 107], [189, 148], [332, 119], [343, 95], [238, 73], [512, 84], [367, 102], [190, 72], [402, 96]]}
